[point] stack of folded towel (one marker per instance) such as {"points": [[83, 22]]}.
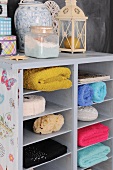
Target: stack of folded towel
{"points": [[47, 79], [92, 155], [92, 134], [89, 93]]}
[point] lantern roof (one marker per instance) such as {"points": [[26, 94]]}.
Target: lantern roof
{"points": [[71, 11]]}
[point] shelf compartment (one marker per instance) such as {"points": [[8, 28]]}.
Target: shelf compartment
{"points": [[101, 118], [27, 91], [31, 137], [97, 67], [107, 143], [45, 163], [50, 108], [108, 123]]}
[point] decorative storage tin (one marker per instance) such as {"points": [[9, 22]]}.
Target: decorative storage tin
{"points": [[5, 26], [3, 10], [7, 45]]}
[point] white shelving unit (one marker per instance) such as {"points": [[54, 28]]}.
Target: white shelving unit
{"points": [[65, 103]]}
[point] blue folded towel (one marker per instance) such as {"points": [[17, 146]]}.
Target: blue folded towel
{"points": [[92, 155], [85, 95], [99, 91]]}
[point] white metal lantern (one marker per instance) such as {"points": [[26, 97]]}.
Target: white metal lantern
{"points": [[72, 28]]}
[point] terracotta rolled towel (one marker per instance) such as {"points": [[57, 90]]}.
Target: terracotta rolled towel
{"points": [[47, 79], [88, 113], [33, 105], [92, 134]]}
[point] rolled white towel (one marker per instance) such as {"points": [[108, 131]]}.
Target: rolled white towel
{"points": [[87, 113], [33, 105]]}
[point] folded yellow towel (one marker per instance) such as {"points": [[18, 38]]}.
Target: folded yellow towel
{"points": [[47, 79]]}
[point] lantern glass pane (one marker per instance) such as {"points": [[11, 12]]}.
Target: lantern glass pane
{"points": [[80, 34], [65, 33]]}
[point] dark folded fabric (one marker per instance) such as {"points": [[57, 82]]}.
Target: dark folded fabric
{"points": [[41, 152]]}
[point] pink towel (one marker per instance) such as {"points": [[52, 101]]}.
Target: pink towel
{"points": [[92, 134]]}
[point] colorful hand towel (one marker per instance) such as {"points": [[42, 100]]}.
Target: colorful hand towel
{"points": [[87, 113], [85, 95], [92, 134], [92, 155], [33, 105], [99, 91], [47, 79]]}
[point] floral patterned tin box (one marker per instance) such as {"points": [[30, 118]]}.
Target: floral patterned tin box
{"points": [[7, 45], [5, 26], [3, 10]]}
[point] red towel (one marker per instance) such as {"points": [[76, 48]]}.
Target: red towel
{"points": [[92, 134]]}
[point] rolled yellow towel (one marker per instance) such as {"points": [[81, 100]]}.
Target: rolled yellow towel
{"points": [[47, 79]]}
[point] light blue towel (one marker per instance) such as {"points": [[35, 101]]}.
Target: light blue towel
{"points": [[85, 95], [99, 91], [92, 155]]}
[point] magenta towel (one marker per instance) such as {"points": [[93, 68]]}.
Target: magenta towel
{"points": [[92, 134]]}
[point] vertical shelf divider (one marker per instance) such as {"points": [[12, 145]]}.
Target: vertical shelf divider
{"points": [[75, 112], [20, 119]]}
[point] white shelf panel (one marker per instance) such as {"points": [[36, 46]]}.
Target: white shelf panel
{"points": [[50, 108], [93, 165], [80, 148], [101, 118], [79, 84], [30, 137], [26, 91], [68, 153]]}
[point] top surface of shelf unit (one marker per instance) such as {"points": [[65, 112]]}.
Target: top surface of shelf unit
{"points": [[63, 59]]}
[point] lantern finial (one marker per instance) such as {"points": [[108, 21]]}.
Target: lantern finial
{"points": [[70, 2]]}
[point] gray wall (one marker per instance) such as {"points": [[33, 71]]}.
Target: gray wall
{"points": [[99, 32]]}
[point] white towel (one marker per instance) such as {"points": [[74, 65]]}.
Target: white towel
{"points": [[87, 113], [33, 105]]}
